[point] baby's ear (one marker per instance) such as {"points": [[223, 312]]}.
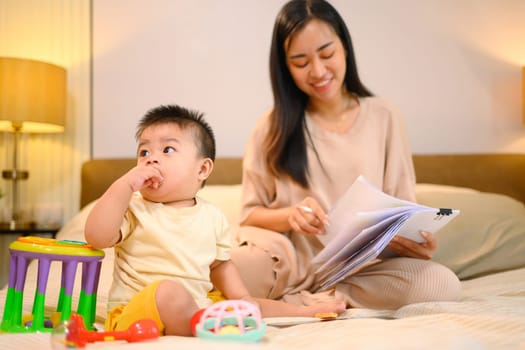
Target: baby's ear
{"points": [[206, 168]]}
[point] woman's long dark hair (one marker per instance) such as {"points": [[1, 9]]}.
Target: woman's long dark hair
{"points": [[285, 143]]}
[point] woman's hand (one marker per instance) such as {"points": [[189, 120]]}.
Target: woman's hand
{"points": [[308, 217], [408, 248]]}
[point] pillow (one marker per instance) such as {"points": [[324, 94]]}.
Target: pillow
{"points": [[487, 236], [226, 197], [74, 230]]}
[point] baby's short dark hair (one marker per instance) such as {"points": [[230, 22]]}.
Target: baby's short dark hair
{"points": [[183, 117]]}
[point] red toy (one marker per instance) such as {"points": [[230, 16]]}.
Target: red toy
{"points": [[195, 319], [74, 333]]}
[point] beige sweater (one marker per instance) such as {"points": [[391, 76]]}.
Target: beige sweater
{"points": [[376, 147]]}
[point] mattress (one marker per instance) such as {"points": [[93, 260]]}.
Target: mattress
{"points": [[490, 315]]}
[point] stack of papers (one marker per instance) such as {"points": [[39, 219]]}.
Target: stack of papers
{"points": [[363, 222]]}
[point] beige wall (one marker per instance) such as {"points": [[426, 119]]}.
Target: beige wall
{"points": [[58, 32], [452, 66]]}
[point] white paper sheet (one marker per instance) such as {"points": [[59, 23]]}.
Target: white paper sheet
{"points": [[363, 222]]}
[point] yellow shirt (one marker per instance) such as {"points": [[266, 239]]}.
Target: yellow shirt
{"points": [[161, 242]]}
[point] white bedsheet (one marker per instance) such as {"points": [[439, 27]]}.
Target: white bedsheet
{"points": [[491, 315]]}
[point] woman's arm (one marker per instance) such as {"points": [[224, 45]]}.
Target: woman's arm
{"points": [[270, 219], [306, 217]]}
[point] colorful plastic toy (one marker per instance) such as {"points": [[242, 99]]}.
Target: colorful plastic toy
{"points": [[73, 334], [46, 250], [234, 320]]}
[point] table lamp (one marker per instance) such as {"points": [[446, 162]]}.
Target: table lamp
{"points": [[32, 100]]}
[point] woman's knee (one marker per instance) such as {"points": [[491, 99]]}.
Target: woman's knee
{"points": [[264, 259], [397, 282], [446, 285], [429, 281], [255, 266]]}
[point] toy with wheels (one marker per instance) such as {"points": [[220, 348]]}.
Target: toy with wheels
{"points": [[234, 320], [73, 334]]}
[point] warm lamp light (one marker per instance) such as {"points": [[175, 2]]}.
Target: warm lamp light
{"points": [[32, 100], [523, 93]]}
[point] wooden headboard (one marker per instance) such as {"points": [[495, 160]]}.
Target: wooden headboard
{"points": [[98, 174], [499, 173]]}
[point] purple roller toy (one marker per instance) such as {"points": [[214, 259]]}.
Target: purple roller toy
{"points": [[46, 250]]}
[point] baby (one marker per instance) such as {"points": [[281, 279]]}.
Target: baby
{"points": [[172, 248]]}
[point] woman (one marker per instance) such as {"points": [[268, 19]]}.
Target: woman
{"points": [[325, 130]]}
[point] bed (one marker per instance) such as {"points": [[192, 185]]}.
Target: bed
{"points": [[484, 245]]}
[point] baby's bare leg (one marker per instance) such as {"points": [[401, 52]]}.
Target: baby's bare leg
{"points": [[275, 308], [176, 307]]}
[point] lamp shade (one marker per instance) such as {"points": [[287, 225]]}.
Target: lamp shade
{"points": [[32, 96]]}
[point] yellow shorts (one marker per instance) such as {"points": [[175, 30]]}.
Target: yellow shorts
{"points": [[140, 307]]}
